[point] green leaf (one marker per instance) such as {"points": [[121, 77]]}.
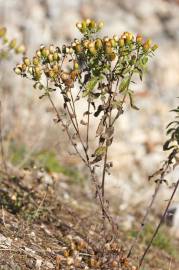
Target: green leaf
{"points": [[90, 85], [124, 84], [144, 60], [100, 151]]}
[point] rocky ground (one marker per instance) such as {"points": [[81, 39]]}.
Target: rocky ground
{"points": [[50, 227], [137, 149]]}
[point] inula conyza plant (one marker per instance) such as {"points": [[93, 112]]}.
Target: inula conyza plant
{"points": [[98, 71]]}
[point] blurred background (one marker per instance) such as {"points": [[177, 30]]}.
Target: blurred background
{"points": [[28, 130]]}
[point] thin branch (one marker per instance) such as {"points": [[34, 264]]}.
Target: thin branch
{"points": [[143, 223], [159, 225], [88, 124]]}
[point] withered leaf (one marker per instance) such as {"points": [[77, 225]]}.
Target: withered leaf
{"points": [[99, 109], [97, 159], [109, 141], [109, 132], [82, 122], [100, 128]]}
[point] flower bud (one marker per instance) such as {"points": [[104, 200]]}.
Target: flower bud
{"points": [[79, 26], [2, 31], [115, 37], [70, 50], [92, 25], [147, 45], [30, 70], [35, 61], [139, 39], [111, 56], [5, 40], [100, 25], [91, 48], [24, 67], [26, 61], [154, 47], [107, 47], [121, 42], [56, 56], [20, 49], [88, 22], [74, 74], [106, 39], [51, 73], [78, 48], [45, 52], [18, 70], [38, 53], [12, 43], [75, 65], [83, 25], [113, 42], [129, 37], [52, 48], [50, 57], [86, 43], [77, 41], [56, 68], [37, 73], [67, 50], [98, 44], [73, 44], [65, 76]]}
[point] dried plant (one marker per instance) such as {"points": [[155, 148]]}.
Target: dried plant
{"points": [[98, 71]]}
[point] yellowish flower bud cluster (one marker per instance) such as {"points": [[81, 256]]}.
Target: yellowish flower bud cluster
{"points": [[8, 45], [64, 66], [47, 62], [89, 26]]}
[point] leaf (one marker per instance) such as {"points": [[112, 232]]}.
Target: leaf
{"points": [[170, 130], [90, 85], [99, 109], [42, 96], [171, 123], [100, 128], [167, 146], [144, 60], [109, 132], [97, 159], [38, 85], [100, 151], [140, 72], [82, 122], [124, 84], [132, 102], [109, 141]]}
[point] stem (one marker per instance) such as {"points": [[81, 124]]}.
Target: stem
{"points": [[104, 172], [88, 123], [144, 218], [66, 128], [159, 225], [77, 126]]}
